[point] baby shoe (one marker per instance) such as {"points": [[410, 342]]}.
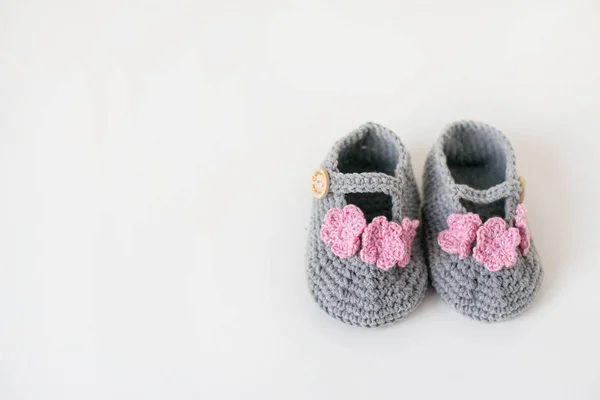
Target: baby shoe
{"points": [[480, 254], [366, 263]]}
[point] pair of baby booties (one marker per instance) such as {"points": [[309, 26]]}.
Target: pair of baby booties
{"points": [[369, 256]]}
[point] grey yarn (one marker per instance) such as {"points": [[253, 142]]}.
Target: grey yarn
{"points": [[472, 169], [371, 169]]}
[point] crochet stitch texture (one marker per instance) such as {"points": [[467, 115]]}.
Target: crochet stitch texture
{"points": [[472, 169], [387, 244], [371, 169], [342, 229]]}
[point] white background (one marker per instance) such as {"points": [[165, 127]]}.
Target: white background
{"points": [[154, 200]]}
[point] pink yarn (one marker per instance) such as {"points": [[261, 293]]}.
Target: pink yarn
{"points": [[521, 225], [342, 229], [496, 246], [461, 232], [409, 231], [388, 243]]}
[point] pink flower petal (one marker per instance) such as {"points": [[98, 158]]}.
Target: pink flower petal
{"points": [[342, 229], [496, 245], [409, 228], [461, 232], [386, 244], [330, 230], [393, 248], [345, 248], [371, 240], [354, 219], [522, 226]]}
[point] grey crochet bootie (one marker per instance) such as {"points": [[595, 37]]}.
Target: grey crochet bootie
{"points": [[366, 263], [480, 256]]}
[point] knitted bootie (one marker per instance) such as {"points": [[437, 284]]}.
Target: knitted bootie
{"points": [[366, 263], [480, 255]]}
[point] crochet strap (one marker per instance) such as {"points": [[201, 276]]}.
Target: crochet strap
{"points": [[367, 182], [506, 189]]}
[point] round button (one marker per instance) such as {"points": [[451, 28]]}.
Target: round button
{"points": [[522, 196], [319, 183]]}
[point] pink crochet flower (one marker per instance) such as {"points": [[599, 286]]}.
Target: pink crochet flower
{"points": [[521, 225], [388, 243], [461, 232], [342, 229], [496, 246]]}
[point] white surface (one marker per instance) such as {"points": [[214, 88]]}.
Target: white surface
{"points": [[154, 204]]}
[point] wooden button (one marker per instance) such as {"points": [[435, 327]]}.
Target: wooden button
{"points": [[319, 183], [522, 195]]}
